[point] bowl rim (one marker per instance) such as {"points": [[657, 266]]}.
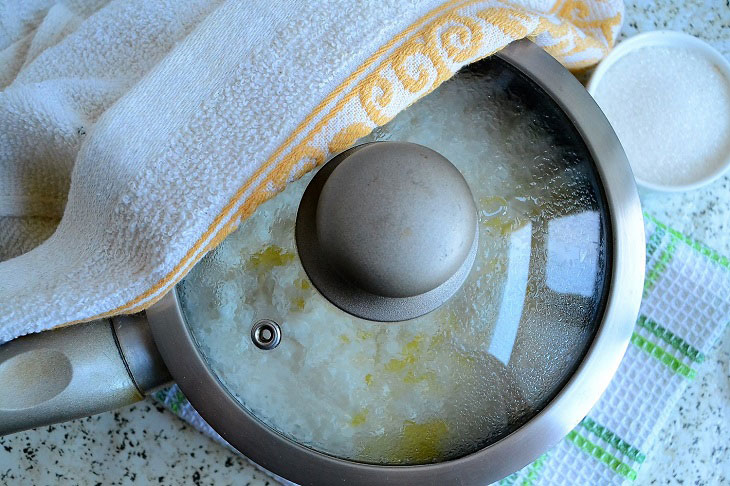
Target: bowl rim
{"points": [[666, 38]]}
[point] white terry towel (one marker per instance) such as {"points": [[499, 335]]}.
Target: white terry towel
{"points": [[150, 129]]}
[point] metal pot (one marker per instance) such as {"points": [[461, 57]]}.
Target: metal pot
{"points": [[364, 275]]}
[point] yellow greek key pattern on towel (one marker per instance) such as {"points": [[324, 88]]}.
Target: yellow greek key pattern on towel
{"points": [[576, 32]]}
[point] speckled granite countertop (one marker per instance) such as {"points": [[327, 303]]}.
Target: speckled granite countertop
{"points": [[146, 444]]}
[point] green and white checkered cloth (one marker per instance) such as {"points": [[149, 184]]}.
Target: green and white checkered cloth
{"points": [[685, 309]]}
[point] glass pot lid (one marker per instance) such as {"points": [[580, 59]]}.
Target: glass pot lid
{"points": [[463, 375]]}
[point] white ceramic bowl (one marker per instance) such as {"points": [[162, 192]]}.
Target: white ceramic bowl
{"points": [[667, 39]]}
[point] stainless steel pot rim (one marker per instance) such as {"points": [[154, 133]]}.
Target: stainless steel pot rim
{"points": [[306, 466]]}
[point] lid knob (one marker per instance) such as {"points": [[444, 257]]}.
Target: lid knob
{"points": [[394, 225], [396, 219]]}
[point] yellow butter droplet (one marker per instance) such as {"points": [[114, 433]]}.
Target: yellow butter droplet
{"points": [[344, 339], [493, 205], [369, 379], [395, 365], [413, 345], [436, 342], [298, 303], [271, 256], [360, 418], [363, 335], [422, 442], [411, 378]]}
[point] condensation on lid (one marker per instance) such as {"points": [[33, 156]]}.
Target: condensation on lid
{"points": [[465, 375]]}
